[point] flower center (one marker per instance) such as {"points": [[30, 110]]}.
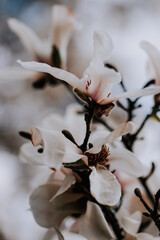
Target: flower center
{"points": [[98, 158]]}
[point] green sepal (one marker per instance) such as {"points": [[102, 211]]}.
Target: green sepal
{"points": [[82, 96], [78, 165]]}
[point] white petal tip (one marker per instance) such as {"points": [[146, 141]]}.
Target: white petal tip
{"points": [[131, 126]]}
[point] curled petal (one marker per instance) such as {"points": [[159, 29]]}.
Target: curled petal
{"points": [[124, 160], [54, 149], [93, 224], [154, 56], [104, 187], [53, 146], [28, 37], [55, 72]]}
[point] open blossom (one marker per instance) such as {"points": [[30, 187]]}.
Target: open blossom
{"points": [[51, 148], [62, 27], [98, 79]]}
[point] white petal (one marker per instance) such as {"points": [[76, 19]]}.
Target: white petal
{"points": [[145, 236], [13, 80], [28, 37], [30, 154], [75, 121], [52, 144], [102, 46], [104, 187], [63, 24], [98, 141], [134, 94], [93, 224], [55, 72], [14, 74], [154, 56], [56, 148], [67, 183], [132, 222], [52, 235], [41, 207], [102, 80], [54, 121], [124, 160], [47, 214], [122, 129]]}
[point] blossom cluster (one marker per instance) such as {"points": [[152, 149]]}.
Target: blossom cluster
{"points": [[85, 195]]}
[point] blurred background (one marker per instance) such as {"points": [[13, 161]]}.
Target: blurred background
{"points": [[128, 23]]}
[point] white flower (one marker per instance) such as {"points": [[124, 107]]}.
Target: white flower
{"points": [[56, 150], [154, 56], [97, 80], [62, 27], [63, 24]]}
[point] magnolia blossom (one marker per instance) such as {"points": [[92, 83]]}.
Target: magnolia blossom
{"points": [[154, 56], [62, 26], [51, 148], [98, 79]]}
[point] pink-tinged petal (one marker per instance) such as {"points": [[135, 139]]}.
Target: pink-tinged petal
{"points": [[132, 222], [104, 186], [28, 37], [154, 56], [134, 94], [63, 24], [93, 224], [55, 72], [67, 183], [122, 129], [102, 46], [98, 140], [124, 160], [101, 81]]}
